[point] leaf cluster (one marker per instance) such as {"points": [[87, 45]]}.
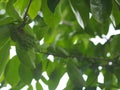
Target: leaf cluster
{"points": [[66, 28]]}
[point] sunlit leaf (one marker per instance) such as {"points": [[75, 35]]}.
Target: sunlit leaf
{"points": [[51, 19], [34, 8]]}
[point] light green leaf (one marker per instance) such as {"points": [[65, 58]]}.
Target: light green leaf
{"points": [[21, 5], [51, 19], [34, 8], [12, 71]]}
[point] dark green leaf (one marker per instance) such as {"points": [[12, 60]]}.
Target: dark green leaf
{"points": [[37, 72], [101, 9], [40, 28], [27, 57], [77, 7], [116, 14], [52, 4], [90, 88], [114, 46], [92, 78], [26, 74], [71, 86], [75, 74]]}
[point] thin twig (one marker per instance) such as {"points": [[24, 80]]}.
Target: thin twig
{"points": [[25, 15]]}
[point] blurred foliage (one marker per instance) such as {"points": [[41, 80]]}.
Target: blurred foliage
{"points": [[66, 28]]}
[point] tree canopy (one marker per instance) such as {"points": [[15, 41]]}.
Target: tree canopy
{"points": [[66, 27]]}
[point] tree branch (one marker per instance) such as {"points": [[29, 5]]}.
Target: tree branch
{"points": [[25, 15]]}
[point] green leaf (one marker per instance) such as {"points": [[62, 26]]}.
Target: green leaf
{"points": [[52, 4], [26, 74], [69, 85], [101, 9], [2, 5], [55, 76], [27, 57], [20, 85], [108, 79], [11, 10], [77, 7], [118, 1], [21, 5], [93, 27], [40, 28], [38, 86], [6, 20], [4, 55], [90, 88], [92, 78], [117, 74], [4, 34], [116, 14], [34, 8], [37, 72], [51, 19], [114, 46], [30, 87], [12, 71], [75, 74]]}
